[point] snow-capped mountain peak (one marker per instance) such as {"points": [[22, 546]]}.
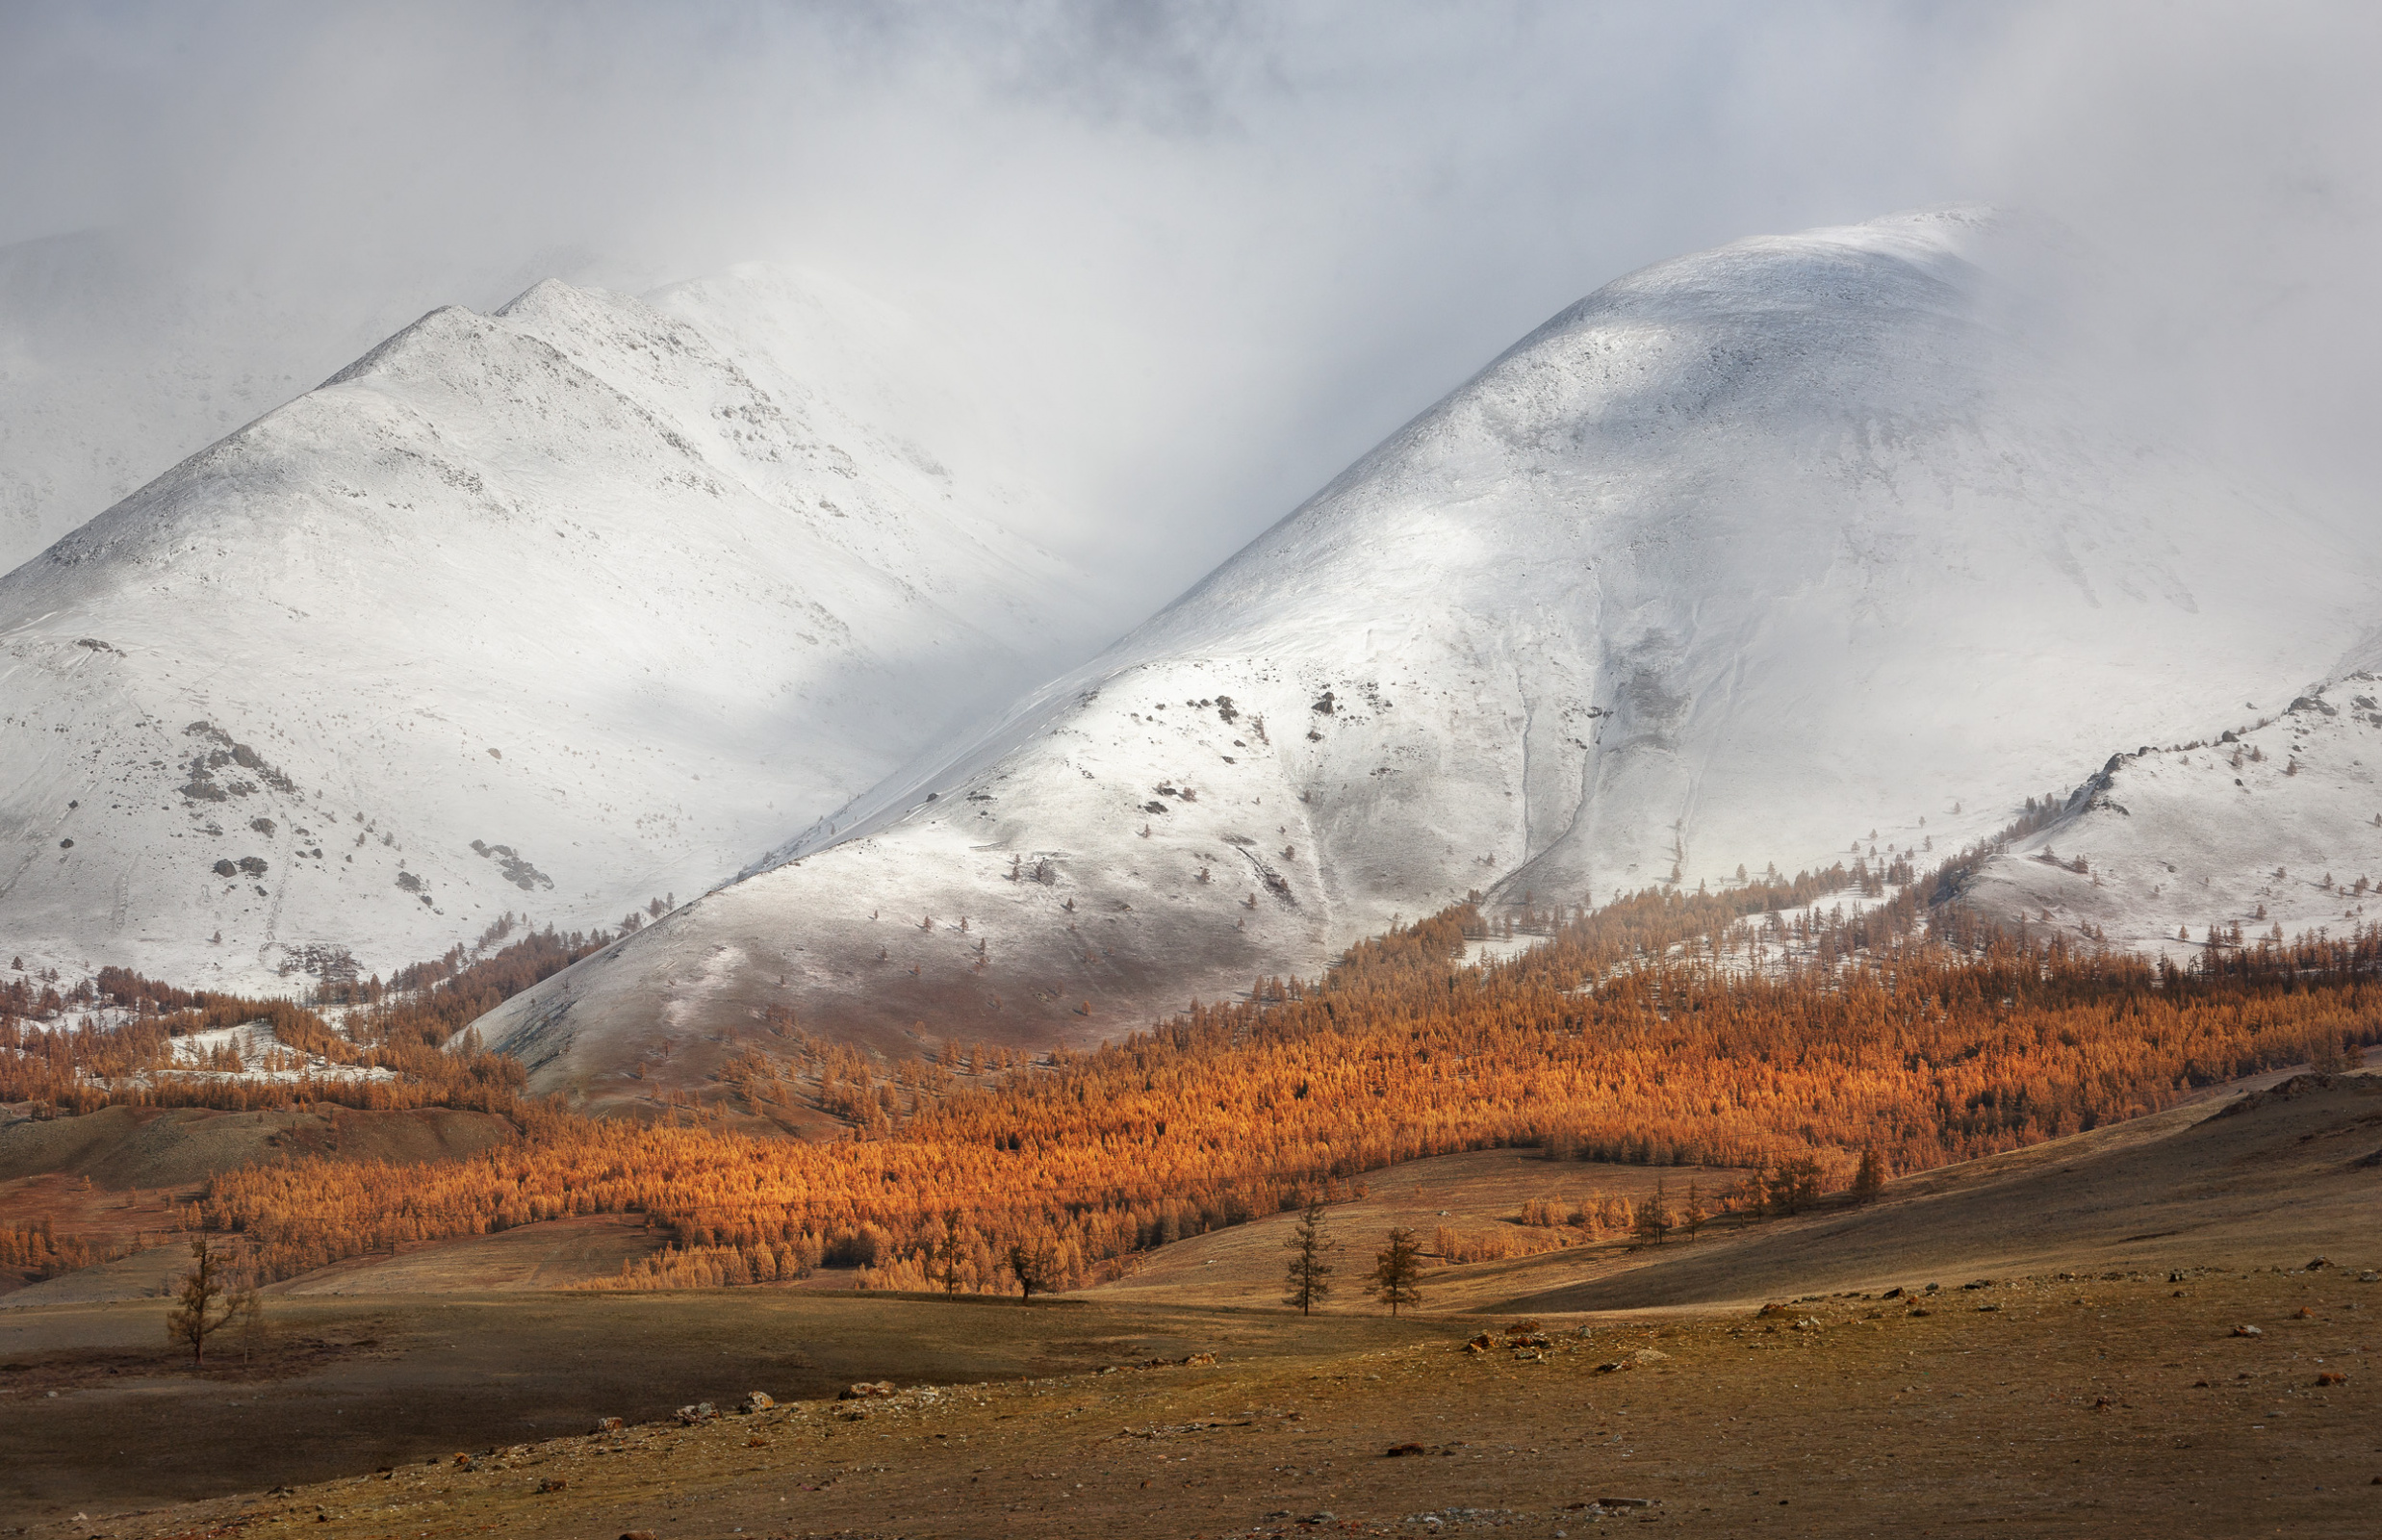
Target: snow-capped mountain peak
{"points": [[554, 609], [1740, 560]]}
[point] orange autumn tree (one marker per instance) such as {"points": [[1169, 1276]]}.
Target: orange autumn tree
{"points": [[1635, 1033]]}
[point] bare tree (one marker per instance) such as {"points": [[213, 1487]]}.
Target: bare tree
{"points": [[1309, 1269], [1397, 1270], [247, 1319]]}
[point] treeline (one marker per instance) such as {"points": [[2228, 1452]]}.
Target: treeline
{"points": [[29, 1246], [395, 1052], [1627, 1035]]}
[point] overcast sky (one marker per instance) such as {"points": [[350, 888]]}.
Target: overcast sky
{"points": [[1228, 248]]}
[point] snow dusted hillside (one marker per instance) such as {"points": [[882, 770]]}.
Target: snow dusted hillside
{"points": [[551, 611], [1764, 554], [117, 363], [2274, 827]]}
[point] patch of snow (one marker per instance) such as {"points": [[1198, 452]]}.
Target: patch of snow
{"points": [[262, 1057]]}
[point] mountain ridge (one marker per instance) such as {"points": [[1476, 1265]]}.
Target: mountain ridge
{"points": [[1765, 554], [558, 579]]}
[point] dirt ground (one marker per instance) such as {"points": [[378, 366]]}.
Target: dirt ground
{"points": [[2126, 1336], [2037, 1406], [95, 1410]]}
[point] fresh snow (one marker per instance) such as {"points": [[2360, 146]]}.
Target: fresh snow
{"points": [[554, 610], [115, 365], [2200, 835], [262, 1058], [1772, 553]]}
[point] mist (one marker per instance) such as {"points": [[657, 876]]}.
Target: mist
{"points": [[1211, 252]]}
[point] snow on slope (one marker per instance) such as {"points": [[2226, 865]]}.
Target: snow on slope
{"points": [[1746, 557], [2277, 824], [550, 610], [112, 371]]}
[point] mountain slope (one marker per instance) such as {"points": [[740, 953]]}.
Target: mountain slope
{"points": [[548, 610], [2274, 827], [2268, 1168], [117, 363], [1764, 554]]}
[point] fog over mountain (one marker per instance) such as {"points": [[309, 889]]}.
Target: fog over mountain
{"points": [[1214, 252], [1171, 269], [1783, 553], [554, 610]]}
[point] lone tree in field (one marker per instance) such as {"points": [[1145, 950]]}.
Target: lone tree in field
{"points": [[196, 1315], [1032, 1266], [1310, 1270], [1395, 1270], [1692, 1215]]}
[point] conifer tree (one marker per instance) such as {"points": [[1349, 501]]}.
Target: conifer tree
{"points": [[1653, 1221], [950, 1253], [1795, 1185], [196, 1315], [1310, 1271], [1030, 1262], [1397, 1268], [1870, 1179]]}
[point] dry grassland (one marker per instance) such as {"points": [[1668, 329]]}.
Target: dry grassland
{"points": [[2036, 1406], [2126, 1338]]}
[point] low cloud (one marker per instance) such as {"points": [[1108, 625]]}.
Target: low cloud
{"points": [[1222, 249]]}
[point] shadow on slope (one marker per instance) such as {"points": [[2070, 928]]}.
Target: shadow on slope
{"points": [[122, 1147], [2278, 1174]]}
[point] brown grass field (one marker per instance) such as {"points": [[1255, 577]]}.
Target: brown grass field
{"points": [[2076, 1371]]}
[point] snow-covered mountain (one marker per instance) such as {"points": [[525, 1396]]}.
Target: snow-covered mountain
{"points": [[550, 610], [1764, 554], [114, 366], [2273, 826]]}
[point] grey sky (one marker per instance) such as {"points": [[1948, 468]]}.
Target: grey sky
{"points": [[1223, 247]]}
